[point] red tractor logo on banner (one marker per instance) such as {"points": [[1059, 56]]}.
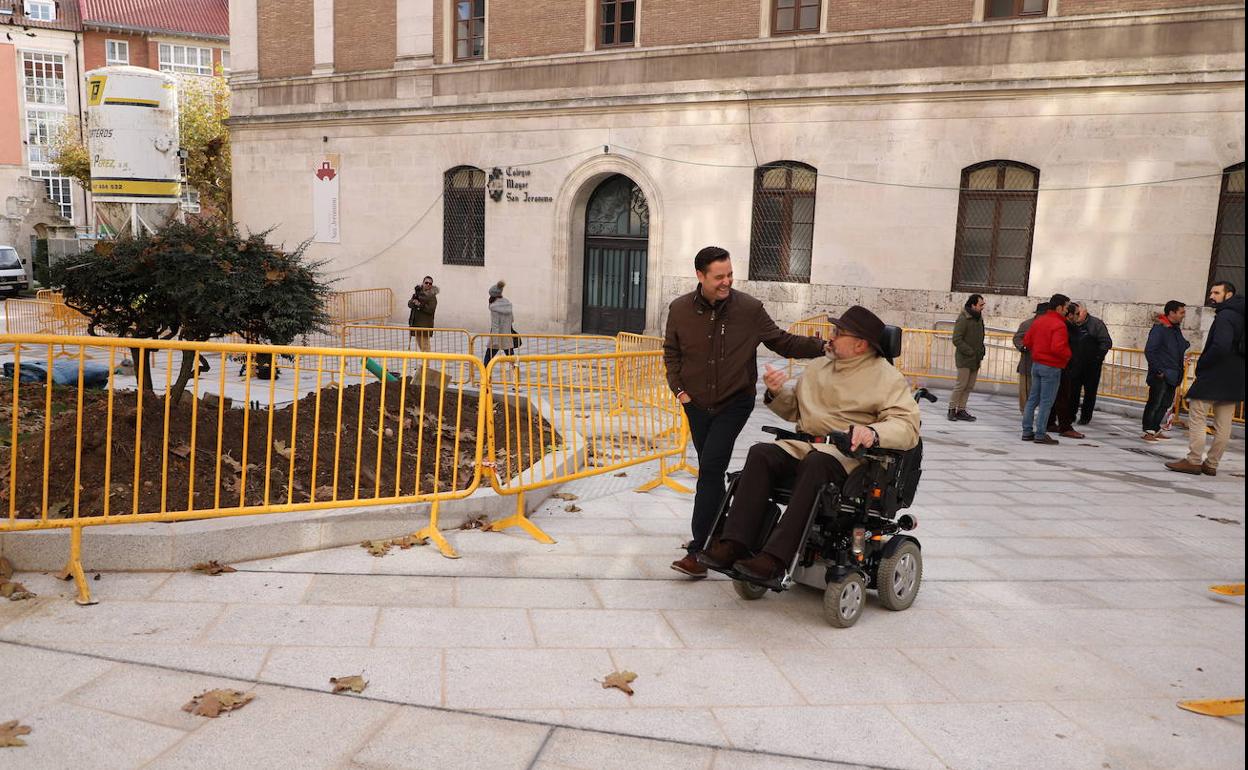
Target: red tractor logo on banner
{"points": [[326, 171]]}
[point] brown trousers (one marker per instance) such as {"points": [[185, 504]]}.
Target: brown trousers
{"points": [[1024, 389], [1198, 412], [962, 391]]}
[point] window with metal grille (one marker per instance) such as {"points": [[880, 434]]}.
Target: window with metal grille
{"points": [[41, 129], [1227, 263], [996, 223], [617, 23], [469, 29], [44, 77], [185, 59], [60, 190], [792, 16], [116, 52], [783, 230], [463, 216], [1014, 9]]}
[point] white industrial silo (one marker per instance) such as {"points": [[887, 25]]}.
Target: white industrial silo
{"points": [[132, 138]]}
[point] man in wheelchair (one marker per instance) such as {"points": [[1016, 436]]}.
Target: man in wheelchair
{"points": [[854, 395]]}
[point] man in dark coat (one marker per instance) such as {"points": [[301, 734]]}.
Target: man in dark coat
{"points": [[969, 351], [423, 306], [1066, 405], [1089, 346], [1219, 383], [1024, 358], [710, 351], [1164, 353]]}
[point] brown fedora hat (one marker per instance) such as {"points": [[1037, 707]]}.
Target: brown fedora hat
{"points": [[862, 323]]}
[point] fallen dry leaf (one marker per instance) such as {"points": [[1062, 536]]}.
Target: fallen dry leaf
{"points": [[213, 568], [620, 680], [565, 496], [281, 448], [572, 509], [621, 475], [476, 522], [230, 461], [181, 450], [325, 492], [382, 547], [9, 732], [345, 683], [14, 592], [215, 702], [377, 547]]}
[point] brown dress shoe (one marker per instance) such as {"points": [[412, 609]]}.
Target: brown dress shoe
{"points": [[1183, 466], [1046, 440], [763, 568], [1208, 469], [722, 554], [1072, 433], [689, 566]]}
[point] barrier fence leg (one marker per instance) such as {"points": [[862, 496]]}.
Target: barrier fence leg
{"points": [[665, 480], [434, 535], [519, 519], [73, 568]]}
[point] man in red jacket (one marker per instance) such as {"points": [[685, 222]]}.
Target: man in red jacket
{"points": [[1049, 343]]}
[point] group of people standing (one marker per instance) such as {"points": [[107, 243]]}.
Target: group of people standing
{"points": [[423, 308], [1062, 353]]}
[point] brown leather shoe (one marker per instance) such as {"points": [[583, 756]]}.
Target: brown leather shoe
{"points": [[763, 568], [1072, 433], [1183, 466], [1208, 469], [689, 566], [1046, 440], [722, 554]]}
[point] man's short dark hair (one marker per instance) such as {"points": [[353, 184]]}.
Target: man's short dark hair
{"points": [[1057, 300], [707, 256], [972, 300], [1227, 286], [1172, 306], [428, 278]]}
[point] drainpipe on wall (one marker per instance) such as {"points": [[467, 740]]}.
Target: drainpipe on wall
{"points": [[79, 46]]}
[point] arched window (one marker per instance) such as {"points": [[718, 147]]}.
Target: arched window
{"points": [[996, 222], [784, 222], [1227, 263], [463, 216]]}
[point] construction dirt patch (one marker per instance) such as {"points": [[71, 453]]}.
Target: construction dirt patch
{"points": [[413, 444]]}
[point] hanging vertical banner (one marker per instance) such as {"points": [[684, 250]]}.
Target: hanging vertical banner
{"points": [[325, 199]]}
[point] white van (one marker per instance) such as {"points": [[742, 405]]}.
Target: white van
{"points": [[12, 272]]}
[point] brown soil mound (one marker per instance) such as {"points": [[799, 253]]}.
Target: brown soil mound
{"points": [[400, 452]]}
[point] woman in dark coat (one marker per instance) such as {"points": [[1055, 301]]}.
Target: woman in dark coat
{"points": [[423, 306]]}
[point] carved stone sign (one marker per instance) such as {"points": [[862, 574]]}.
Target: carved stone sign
{"points": [[512, 184]]}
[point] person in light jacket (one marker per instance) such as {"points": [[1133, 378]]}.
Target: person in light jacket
{"points": [[502, 324], [969, 351]]}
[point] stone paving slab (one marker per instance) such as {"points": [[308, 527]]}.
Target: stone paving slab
{"points": [[1064, 611]]}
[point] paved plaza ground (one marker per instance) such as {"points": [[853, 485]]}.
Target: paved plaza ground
{"points": [[1064, 611]]}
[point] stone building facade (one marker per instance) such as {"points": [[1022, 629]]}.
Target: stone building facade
{"points": [[896, 154]]}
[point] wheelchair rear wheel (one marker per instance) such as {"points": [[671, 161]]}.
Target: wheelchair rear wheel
{"points": [[747, 590], [844, 599], [898, 579]]}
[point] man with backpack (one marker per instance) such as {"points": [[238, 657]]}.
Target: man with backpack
{"points": [[1219, 383]]}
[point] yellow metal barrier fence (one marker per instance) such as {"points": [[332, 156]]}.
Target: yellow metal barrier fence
{"points": [[1189, 377], [626, 342], [360, 306], [569, 411], [387, 337], [274, 436], [38, 316]]}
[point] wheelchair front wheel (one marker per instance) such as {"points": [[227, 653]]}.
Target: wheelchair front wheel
{"points": [[844, 599], [748, 591], [898, 579]]}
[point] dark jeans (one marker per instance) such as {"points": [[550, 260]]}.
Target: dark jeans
{"points": [[767, 467], [1160, 398], [1085, 384], [491, 352], [714, 434], [1065, 405], [1044, 386]]}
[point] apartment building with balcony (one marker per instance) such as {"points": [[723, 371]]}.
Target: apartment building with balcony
{"points": [[898, 154]]}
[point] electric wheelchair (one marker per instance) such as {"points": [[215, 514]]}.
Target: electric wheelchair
{"points": [[856, 536]]}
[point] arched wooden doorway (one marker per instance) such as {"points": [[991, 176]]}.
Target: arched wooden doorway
{"points": [[617, 235]]}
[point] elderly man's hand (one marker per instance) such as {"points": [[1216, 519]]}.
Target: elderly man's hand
{"points": [[773, 378], [860, 436]]}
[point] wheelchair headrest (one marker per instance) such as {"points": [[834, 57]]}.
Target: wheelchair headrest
{"points": [[890, 342]]}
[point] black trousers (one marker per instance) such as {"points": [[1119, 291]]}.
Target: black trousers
{"points": [[1086, 382], [714, 434], [1062, 416], [767, 467], [491, 352], [1160, 398]]}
